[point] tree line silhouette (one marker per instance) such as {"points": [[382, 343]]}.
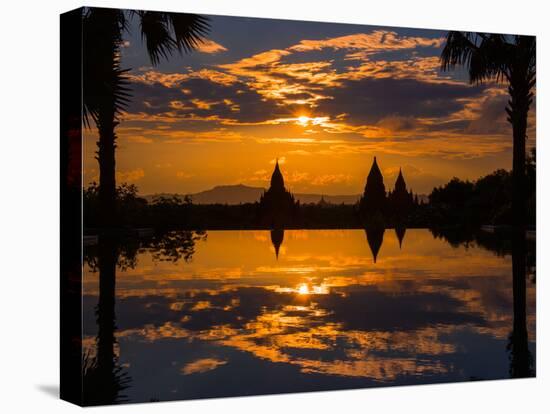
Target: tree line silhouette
{"points": [[458, 203]]}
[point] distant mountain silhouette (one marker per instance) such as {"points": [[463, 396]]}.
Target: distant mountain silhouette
{"points": [[228, 194], [237, 194]]}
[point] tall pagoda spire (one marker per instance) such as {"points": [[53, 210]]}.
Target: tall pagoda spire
{"points": [[374, 197], [375, 181], [277, 180], [400, 185], [277, 205], [400, 199]]}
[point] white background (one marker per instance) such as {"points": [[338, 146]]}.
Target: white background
{"points": [[29, 235]]}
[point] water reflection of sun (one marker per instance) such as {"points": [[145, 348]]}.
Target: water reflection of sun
{"points": [[306, 289]]}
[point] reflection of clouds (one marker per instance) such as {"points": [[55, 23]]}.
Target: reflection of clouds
{"points": [[275, 336], [305, 289], [202, 365], [323, 307], [284, 326], [378, 368], [201, 305]]}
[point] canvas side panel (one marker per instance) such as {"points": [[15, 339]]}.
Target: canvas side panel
{"points": [[71, 206]]}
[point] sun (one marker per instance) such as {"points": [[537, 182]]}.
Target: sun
{"points": [[303, 120], [303, 289]]}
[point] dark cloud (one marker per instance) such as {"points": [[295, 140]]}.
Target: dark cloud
{"points": [[234, 101], [369, 100], [366, 101], [367, 308], [491, 117]]}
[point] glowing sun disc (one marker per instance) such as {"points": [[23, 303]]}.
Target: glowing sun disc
{"points": [[303, 120], [303, 289]]}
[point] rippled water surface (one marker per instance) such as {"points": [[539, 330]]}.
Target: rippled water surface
{"points": [[248, 312]]}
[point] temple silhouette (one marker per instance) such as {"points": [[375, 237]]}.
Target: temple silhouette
{"points": [[373, 202], [400, 200], [376, 206], [277, 207]]}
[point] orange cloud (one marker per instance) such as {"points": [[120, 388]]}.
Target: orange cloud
{"points": [[169, 80], [202, 104], [327, 179], [184, 175], [438, 144], [209, 46], [376, 41], [138, 139], [130, 176], [283, 82], [172, 80], [280, 160]]}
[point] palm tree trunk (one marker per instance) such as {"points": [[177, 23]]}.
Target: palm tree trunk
{"points": [[107, 261], [107, 167], [105, 35], [518, 108], [520, 357]]}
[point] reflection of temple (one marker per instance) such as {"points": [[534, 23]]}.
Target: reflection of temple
{"points": [[277, 237], [374, 198], [375, 237], [277, 205], [400, 233]]}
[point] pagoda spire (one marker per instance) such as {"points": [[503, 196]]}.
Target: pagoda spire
{"points": [[277, 205], [400, 185], [277, 180], [374, 197], [401, 199]]}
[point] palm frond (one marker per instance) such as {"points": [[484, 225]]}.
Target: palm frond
{"points": [[189, 30], [155, 32], [106, 86], [458, 50], [164, 33], [486, 56]]}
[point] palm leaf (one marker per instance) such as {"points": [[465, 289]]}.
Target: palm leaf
{"points": [[106, 86], [155, 31], [485, 55], [164, 33], [189, 30]]}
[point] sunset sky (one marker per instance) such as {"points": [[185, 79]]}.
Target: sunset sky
{"points": [[323, 98]]}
